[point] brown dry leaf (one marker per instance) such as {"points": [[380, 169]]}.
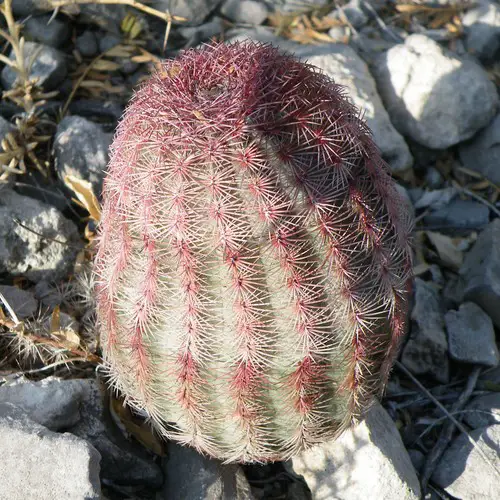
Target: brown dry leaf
{"points": [[441, 18], [105, 65], [66, 337], [134, 426], [446, 249], [85, 195]]}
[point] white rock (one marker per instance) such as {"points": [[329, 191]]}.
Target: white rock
{"points": [[463, 473], [433, 96], [368, 461], [43, 465]]}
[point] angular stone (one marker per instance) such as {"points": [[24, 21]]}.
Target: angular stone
{"points": [[462, 471], [368, 461], [433, 96], [38, 463], [471, 337], [481, 272]]}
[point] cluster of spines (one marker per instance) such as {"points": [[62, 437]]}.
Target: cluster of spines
{"points": [[253, 260]]}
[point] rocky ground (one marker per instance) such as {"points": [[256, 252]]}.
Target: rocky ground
{"points": [[426, 76]]}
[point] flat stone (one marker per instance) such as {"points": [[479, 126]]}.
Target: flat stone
{"points": [[482, 152], [54, 33], [432, 95], [462, 471], [471, 337], [23, 302], [426, 352], [459, 215], [367, 461], [43, 247], [244, 11], [189, 474], [38, 463], [483, 411], [481, 272]]}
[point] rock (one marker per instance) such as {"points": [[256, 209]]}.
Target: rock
{"points": [[490, 379], [417, 458], [44, 246], [460, 214], [244, 11], [433, 96], [52, 402], [21, 301], [195, 11], [481, 272], [482, 152], [87, 44], [433, 178], [23, 8], [81, 150], [106, 17], [343, 64], [97, 109], [197, 34], [49, 66], [54, 33], [483, 411], [462, 471], [122, 462], [426, 352], [108, 41], [354, 13], [471, 337], [482, 30], [436, 199], [188, 474], [368, 461], [43, 464], [298, 5]]}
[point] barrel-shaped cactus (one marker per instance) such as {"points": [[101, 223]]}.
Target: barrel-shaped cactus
{"points": [[253, 261]]}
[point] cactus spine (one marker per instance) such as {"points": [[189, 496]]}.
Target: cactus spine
{"points": [[253, 261]]}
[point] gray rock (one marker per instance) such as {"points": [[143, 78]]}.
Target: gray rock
{"points": [[195, 11], [433, 96], [191, 475], [483, 411], [436, 199], [108, 41], [38, 463], [52, 402], [244, 11], [481, 271], [87, 44], [433, 178], [417, 458], [106, 17], [198, 34], [5, 127], [49, 66], [24, 8], [462, 471], [426, 352], [81, 150], [344, 65], [44, 246], [354, 13], [123, 462], [368, 461], [482, 30], [54, 33], [23, 302], [482, 152], [298, 5], [460, 214], [471, 337], [490, 379]]}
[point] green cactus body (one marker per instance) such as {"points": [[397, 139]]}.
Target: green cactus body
{"points": [[253, 262]]}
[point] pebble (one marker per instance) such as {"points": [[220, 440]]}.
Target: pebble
{"points": [[49, 66], [196, 34], [471, 337], [23, 302], [43, 464], [481, 272], [24, 8], [353, 11], [195, 11], [426, 352], [298, 5], [87, 44], [433, 96], [81, 150], [462, 471], [483, 411], [367, 461], [435, 199], [460, 214], [190, 475], [54, 33], [44, 246], [482, 30], [52, 402], [108, 41], [346, 67], [482, 153], [244, 11]]}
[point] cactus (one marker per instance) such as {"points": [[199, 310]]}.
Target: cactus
{"points": [[253, 260]]}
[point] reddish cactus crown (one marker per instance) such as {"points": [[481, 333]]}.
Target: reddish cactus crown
{"points": [[253, 258]]}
